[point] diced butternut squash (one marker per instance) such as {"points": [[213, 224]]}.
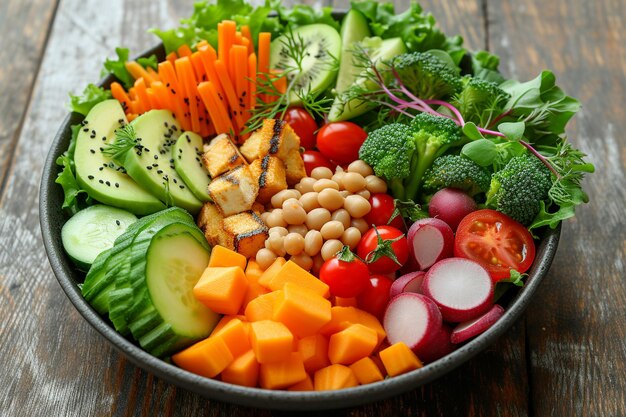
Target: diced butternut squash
{"points": [[224, 321], [208, 357], [262, 307], [222, 289], [271, 272], [303, 311], [399, 359], [271, 341], [314, 351], [221, 256], [282, 374], [244, 370], [334, 377], [351, 344], [369, 320], [253, 271], [340, 318], [236, 336], [292, 272], [366, 371], [305, 385], [345, 302]]}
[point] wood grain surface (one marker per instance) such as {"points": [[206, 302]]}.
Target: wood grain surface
{"points": [[564, 358]]}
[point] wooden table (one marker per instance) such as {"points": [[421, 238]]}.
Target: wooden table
{"points": [[565, 357]]}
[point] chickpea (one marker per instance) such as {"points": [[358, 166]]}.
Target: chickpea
{"points": [[309, 201], [351, 237], [342, 216], [325, 183], [299, 229], [306, 185], [330, 248], [344, 193], [265, 257], [365, 194], [332, 230], [294, 243], [275, 218], [313, 242], [330, 199], [277, 244], [264, 216], [278, 229], [360, 224], [375, 184], [357, 206], [293, 213], [303, 260], [360, 167], [316, 218], [321, 172], [278, 198], [353, 182], [338, 178]]}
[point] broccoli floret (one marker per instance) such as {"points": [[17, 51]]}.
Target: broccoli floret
{"points": [[456, 171], [480, 101], [518, 189], [426, 76]]}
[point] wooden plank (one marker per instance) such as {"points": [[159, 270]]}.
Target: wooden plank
{"points": [[575, 326], [25, 28]]}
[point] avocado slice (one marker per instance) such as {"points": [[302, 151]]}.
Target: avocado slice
{"points": [[151, 161], [354, 28], [382, 50], [188, 164], [98, 174]]}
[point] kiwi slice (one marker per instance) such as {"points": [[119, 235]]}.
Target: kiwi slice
{"points": [[321, 48]]}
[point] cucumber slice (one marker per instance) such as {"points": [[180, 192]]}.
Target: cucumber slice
{"points": [[187, 154], [151, 161], [97, 173], [354, 28], [92, 231]]}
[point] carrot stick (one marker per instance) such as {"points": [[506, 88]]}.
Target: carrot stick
{"points": [[168, 76], [153, 74], [240, 63], [217, 111], [120, 95], [163, 95], [245, 32], [264, 57], [229, 30], [231, 96], [184, 70], [232, 65], [142, 96], [202, 43], [171, 57], [209, 56], [198, 67], [251, 81], [154, 101], [184, 50], [137, 71]]}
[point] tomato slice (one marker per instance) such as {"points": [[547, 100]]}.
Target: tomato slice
{"points": [[496, 241]]}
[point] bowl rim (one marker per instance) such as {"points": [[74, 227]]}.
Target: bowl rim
{"points": [[66, 274]]}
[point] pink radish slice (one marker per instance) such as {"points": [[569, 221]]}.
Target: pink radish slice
{"points": [[413, 319], [429, 241], [411, 282], [472, 328], [461, 288], [439, 347]]}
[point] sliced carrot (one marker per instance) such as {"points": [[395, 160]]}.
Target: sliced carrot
{"points": [[222, 256], [399, 359], [137, 71], [198, 67], [153, 99], [187, 83], [118, 93], [261, 307], [163, 95], [292, 272], [245, 32], [314, 351], [264, 57], [215, 108], [240, 64], [184, 50], [366, 371], [231, 96], [209, 56], [243, 371], [334, 377], [236, 336], [171, 57], [221, 289], [282, 374], [168, 76], [271, 341], [302, 310], [208, 357], [351, 344], [131, 116], [142, 96], [271, 272], [226, 40], [251, 82], [305, 385], [153, 74]]}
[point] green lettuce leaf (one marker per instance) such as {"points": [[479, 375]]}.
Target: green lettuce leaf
{"points": [[91, 96], [67, 177]]}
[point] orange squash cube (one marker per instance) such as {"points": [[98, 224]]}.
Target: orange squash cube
{"points": [[208, 357], [271, 341], [399, 359], [303, 311], [222, 289], [221, 256], [244, 370], [334, 377], [314, 351], [292, 272], [366, 371], [282, 374], [351, 344]]}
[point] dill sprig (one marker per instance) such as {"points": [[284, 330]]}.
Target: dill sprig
{"points": [[125, 139]]}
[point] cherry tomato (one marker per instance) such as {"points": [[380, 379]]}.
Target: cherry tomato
{"points": [[314, 159], [375, 298], [303, 124], [340, 141], [383, 207], [496, 241], [379, 249], [345, 274]]}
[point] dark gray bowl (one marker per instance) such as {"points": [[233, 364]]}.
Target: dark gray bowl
{"points": [[52, 219]]}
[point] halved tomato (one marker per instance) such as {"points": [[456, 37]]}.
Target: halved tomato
{"points": [[496, 241]]}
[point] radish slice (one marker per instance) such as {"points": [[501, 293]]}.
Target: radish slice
{"points": [[461, 288], [429, 241], [413, 319], [411, 282], [469, 329], [439, 347]]}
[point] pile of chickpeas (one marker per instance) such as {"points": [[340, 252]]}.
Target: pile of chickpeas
{"points": [[312, 222]]}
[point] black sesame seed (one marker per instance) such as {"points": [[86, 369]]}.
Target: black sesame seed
{"points": [[101, 182], [117, 185], [181, 186], [156, 156], [165, 124], [101, 168], [159, 171], [108, 183], [148, 167], [188, 140], [86, 129], [175, 182], [92, 151], [90, 177], [155, 165]]}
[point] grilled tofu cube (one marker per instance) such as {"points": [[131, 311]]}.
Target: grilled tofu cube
{"points": [[244, 233], [221, 156], [272, 178], [294, 167], [235, 191], [210, 222], [251, 147], [277, 139]]}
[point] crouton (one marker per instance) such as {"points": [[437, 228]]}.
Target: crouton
{"points": [[272, 178], [221, 156], [235, 191], [277, 139], [210, 222], [244, 233], [294, 167], [250, 148]]}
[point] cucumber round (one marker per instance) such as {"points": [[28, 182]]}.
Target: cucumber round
{"points": [[92, 231]]}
